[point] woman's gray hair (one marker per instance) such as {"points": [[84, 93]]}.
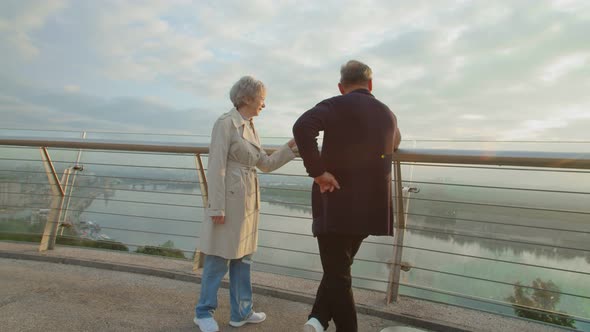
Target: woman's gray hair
{"points": [[245, 87], [355, 72]]}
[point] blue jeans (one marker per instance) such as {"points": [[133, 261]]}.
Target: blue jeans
{"points": [[240, 288]]}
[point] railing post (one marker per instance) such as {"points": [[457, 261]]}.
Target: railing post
{"points": [[77, 167], [64, 184], [199, 256], [58, 194], [398, 242]]}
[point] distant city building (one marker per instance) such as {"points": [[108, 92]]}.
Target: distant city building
{"points": [[11, 195]]}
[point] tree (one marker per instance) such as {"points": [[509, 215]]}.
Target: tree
{"points": [[168, 244], [539, 303]]}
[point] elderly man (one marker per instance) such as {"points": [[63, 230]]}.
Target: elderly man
{"points": [[351, 194]]}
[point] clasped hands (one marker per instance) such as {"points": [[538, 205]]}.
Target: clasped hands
{"points": [[327, 182]]}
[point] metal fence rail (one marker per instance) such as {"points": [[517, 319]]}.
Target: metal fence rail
{"points": [[62, 192]]}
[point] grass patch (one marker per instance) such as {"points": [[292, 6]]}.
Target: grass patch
{"points": [[67, 241], [166, 249]]}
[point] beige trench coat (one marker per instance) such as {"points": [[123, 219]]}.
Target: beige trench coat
{"points": [[234, 154]]}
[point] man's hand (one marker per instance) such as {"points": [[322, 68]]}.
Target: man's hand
{"points": [[218, 220], [327, 182]]}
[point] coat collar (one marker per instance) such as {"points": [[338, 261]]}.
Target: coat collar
{"points": [[363, 91], [237, 118], [239, 121]]}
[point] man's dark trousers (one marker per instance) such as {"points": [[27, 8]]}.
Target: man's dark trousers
{"points": [[334, 299]]}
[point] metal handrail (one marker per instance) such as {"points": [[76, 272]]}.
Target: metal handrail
{"points": [[498, 158], [117, 145], [491, 167], [471, 157]]}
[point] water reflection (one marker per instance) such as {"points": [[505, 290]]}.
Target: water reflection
{"points": [[539, 303]]}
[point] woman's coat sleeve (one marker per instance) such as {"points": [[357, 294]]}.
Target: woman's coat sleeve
{"points": [[277, 159]]}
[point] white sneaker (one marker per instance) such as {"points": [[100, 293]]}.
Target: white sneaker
{"points": [[313, 325], [207, 324], [255, 318]]}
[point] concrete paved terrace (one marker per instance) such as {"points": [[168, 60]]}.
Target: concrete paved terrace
{"points": [[75, 289]]}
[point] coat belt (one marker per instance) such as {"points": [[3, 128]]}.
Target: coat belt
{"points": [[235, 164]]}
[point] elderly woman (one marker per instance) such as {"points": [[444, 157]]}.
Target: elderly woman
{"points": [[230, 236]]}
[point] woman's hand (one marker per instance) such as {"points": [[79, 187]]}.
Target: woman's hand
{"points": [[218, 220], [292, 143]]}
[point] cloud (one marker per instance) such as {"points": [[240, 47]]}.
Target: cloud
{"points": [[71, 88], [441, 66], [569, 5], [18, 19], [563, 65], [472, 117], [559, 121], [45, 109], [139, 43]]}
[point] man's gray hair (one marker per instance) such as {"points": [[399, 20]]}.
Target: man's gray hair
{"points": [[355, 72], [245, 87]]}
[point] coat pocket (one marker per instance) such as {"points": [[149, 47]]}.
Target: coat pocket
{"points": [[234, 183], [251, 191]]}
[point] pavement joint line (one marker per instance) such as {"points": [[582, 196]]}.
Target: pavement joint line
{"points": [[414, 321]]}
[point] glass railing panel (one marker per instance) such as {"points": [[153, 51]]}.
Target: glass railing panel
{"points": [[483, 232], [475, 234], [139, 199], [24, 203]]}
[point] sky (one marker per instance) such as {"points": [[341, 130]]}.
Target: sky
{"points": [[490, 70]]}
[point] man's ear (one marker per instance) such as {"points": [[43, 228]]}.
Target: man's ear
{"points": [[341, 88], [370, 85]]}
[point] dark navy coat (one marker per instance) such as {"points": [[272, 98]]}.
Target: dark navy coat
{"points": [[357, 149]]}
